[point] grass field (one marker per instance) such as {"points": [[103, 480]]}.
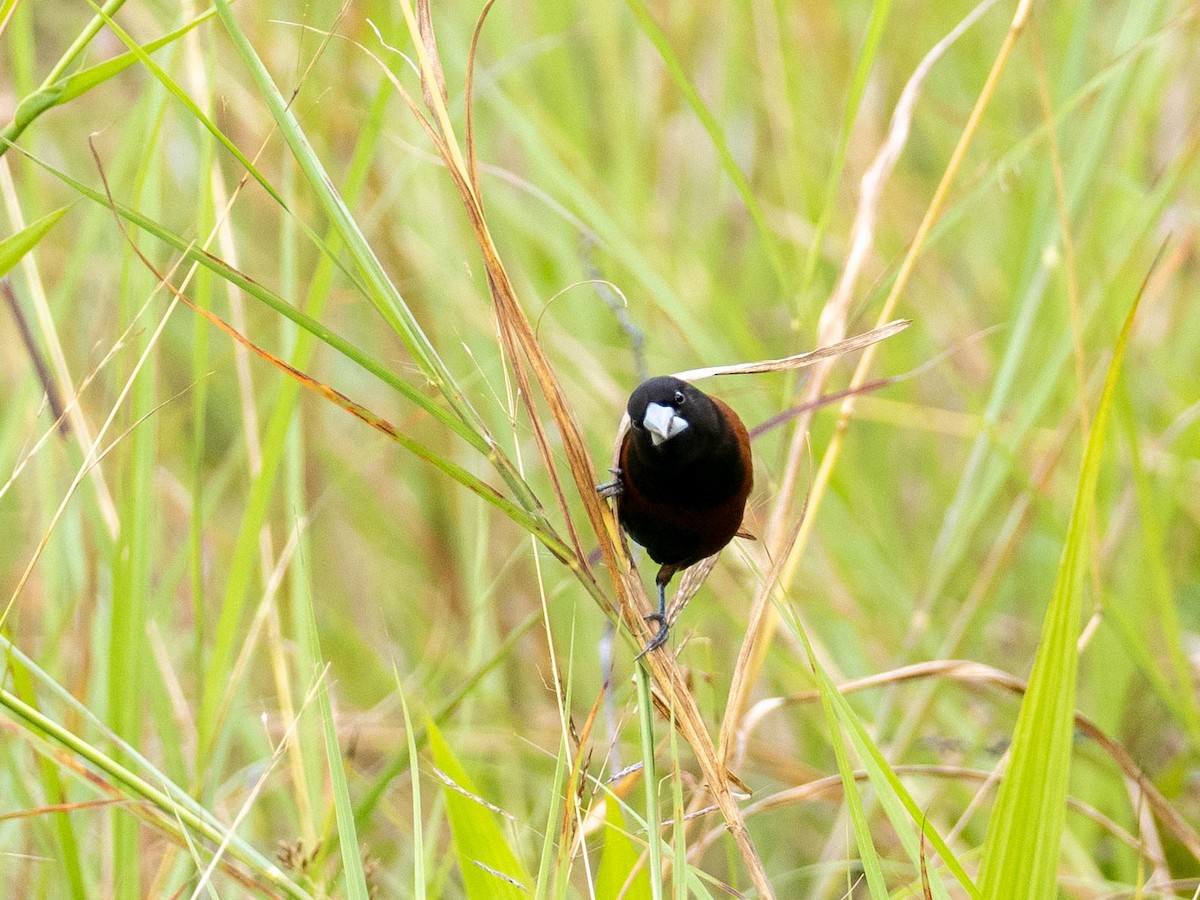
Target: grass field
{"points": [[317, 332]]}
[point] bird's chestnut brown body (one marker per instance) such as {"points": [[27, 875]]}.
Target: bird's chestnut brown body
{"points": [[685, 475], [685, 507]]}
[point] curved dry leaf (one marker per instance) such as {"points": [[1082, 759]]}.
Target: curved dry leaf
{"points": [[800, 360]]}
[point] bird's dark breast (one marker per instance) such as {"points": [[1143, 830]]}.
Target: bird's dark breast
{"points": [[676, 536], [682, 514]]}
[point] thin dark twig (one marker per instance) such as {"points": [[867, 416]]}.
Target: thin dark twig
{"points": [[796, 411], [637, 340], [35, 356]]}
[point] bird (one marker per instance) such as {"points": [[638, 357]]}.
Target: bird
{"points": [[684, 475]]}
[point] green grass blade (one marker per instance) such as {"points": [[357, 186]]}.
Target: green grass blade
{"points": [[173, 801], [901, 809], [352, 864], [716, 133], [418, 849], [858, 84], [983, 472], [260, 293], [680, 870], [376, 284], [489, 866], [525, 512], [15, 246], [48, 95], [55, 792], [1021, 852], [867, 854], [556, 854], [380, 290], [195, 816], [79, 83], [193, 108]]}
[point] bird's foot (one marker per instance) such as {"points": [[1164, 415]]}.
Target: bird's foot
{"points": [[613, 488], [660, 637], [610, 489]]}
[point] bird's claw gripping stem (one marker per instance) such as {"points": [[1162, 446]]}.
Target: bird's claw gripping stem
{"points": [[664, 629]]}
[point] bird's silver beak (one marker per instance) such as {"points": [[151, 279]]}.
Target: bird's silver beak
{"points": [[663, 422]]}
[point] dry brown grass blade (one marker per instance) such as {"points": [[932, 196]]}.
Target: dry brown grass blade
{"points": [[331, 394], [430, 42], [517, 359], [572, 826], [763, 619], [926, 888], [692, 579], [468, 90], [444, 141], [751, 649], [521, 344], [575, 816]]}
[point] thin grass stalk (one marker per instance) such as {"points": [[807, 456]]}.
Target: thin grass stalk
{"points": [[650, 780], [679, 835]]}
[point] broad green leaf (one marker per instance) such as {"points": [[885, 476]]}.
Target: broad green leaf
{"points": [[16, 246], [1021, 852], [490, 868], [79, 83], [618, 859]]}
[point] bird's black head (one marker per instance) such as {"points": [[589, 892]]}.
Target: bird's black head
{"points": [[670, 416]]}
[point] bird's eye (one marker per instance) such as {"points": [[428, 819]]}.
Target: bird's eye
{"points": [[636, 423], [679, 398]]}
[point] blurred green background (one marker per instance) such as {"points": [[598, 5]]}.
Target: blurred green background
{"points": [[246, 534]]}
